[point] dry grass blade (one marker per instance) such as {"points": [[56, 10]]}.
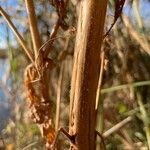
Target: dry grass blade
{"points": [[30, 145], [61, 57], [145, 117], [100, 79], [117, 127], [124, 86], [136, 9], [135, 35]]}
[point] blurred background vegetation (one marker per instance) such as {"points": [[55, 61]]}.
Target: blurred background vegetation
{"points": [[126, 81]]}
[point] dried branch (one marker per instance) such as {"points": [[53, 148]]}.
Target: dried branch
{"points": [[117, 127], [102, 139], [29, 145], [39, 101], [17, 34], [49, 42], [118, 10], [61, 57]]}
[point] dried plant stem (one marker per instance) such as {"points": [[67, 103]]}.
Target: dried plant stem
{"points": [[138, 15], [29, 145], [117, 127], [60, 81], [49, 42], [68, 136], [33, 26], [99, 99], [102, 139], [40, 102], [51, 39], [128, 143], [135, 35], [136, 9], [124, 86], [86, 72], [17, 34], [59, 93], [145, 118], [100, 79]]}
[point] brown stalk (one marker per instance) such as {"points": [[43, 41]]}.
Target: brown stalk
{"points": [[39, 101], [33, 26], [17, 34], [86, 72], [117, 127]]}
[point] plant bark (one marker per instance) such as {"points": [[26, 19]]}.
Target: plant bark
{"points": [[86, 72]]}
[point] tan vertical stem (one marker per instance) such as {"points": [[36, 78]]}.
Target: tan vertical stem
{"points": [[33, 26], [59, 94], [100, 79], [86, 71]]}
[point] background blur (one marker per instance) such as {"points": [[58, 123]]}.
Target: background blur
{"points": [[126, 84]]}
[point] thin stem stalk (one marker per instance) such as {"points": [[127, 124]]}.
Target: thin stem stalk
{"points": [[17, 34], [33, 26]]}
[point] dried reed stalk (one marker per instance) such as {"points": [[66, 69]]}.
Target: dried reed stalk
{"points": [[85, 72]]}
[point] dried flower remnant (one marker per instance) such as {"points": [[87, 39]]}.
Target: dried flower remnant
{"points": [[39, 104]]}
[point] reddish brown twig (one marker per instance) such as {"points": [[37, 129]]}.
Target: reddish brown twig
{"points": [[118, 10]]}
